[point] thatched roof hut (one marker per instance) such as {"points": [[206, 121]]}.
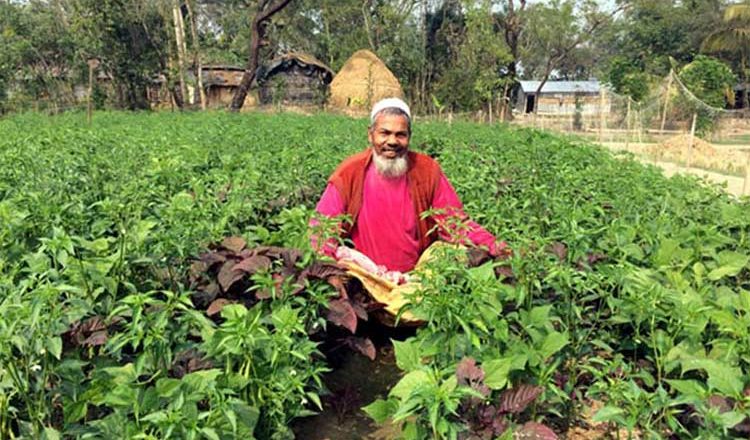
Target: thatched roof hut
{"points": [[363, 80], [294, 79], [220, 82]]}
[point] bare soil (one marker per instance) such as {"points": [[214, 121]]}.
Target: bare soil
{"points": [[732, 181], [355, 381]]}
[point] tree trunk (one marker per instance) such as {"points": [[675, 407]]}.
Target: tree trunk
{"points": [[513, 26], [196, 55], [264, 13], [180, 41], [365, 16], [547, 72]]}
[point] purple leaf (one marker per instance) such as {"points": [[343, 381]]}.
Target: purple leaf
{"points": [[477, 256], [373, 306], [499, 425], [197, 269], [81, 331], [361, 345], [534, 431], [322, 271], [719, 402], [594, 258], [227, 276], [290, 257], [467, 371], [359, 310], [96, 339], [515, 400], [253, 264], [189, 361], [341, 313], [211, 288], [504, 271], [216, 306], [263, 293], [234, 244], [338, 283], [560, 250], [211, 258]]}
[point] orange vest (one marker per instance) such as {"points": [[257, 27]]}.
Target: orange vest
{"points": [[423, 177]]}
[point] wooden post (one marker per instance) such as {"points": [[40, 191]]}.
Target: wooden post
{"points": [[505, 103], [627, 132], [666, 100], [93, 64], [746, 183], [692, 140], [490, 110], [639, 128], [602, 116]]}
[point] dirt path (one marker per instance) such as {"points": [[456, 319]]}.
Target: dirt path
{"points": [[732, 184]]}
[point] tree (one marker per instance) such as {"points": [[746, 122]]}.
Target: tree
{"points": [[626, 78], [734, 38], [711, 81], [266, 10], [36, 54], [556, 32], [512, 20], [475, 57], [128, 37], [649, 33]]}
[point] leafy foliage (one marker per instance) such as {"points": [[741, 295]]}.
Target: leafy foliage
{"points": [[624, 286]]}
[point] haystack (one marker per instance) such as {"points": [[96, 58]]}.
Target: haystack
{"points": [[362, 81], [703, 154]]}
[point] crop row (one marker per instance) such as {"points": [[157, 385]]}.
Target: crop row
{"points": [[625, 288]]}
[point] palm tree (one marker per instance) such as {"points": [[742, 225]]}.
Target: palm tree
{"points": [[734, 37]]}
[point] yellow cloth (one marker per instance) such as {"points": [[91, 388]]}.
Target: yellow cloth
{"points": [[392, 294]]}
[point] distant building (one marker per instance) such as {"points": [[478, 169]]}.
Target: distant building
{"points": [[220, 82], [295, 79], [561, 98], [740, 90]]}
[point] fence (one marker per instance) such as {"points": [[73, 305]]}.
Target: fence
{"points": [[669, 126]]}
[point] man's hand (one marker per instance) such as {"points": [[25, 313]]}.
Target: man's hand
{"points": [[345, 254]]}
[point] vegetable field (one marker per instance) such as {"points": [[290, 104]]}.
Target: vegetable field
{"points": [[156, 282]]}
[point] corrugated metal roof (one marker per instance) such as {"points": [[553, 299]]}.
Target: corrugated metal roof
{"points": [[561, 86]]}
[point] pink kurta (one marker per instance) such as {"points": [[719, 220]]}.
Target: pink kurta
{"points": [[386, 227]]}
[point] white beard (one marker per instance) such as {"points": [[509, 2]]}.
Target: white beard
{"points": [[390, 168]]}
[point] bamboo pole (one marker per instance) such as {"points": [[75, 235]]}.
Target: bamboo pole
{"points": [[93, 64], [91, 91], [602, 116], [627, 132], [505, 103], [639, 128], [692, 140], [746, 183], [666, 100]]}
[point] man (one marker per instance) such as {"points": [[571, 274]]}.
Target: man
{"points": [[386, 189]]}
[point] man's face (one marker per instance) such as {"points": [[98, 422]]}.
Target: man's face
{"points": [[389, 136]]}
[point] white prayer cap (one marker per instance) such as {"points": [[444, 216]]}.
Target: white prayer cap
{"points": [[389, 103]]}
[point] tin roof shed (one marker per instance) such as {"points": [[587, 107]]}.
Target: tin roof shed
{"points": [[591, 86]]}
